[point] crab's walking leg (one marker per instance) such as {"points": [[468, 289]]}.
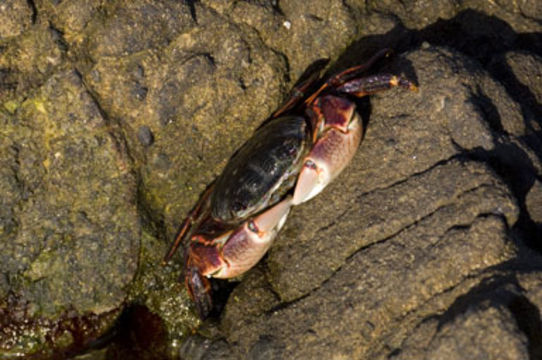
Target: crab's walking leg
{"points": [[350, 73], [356, 71], [375, 83], [193, 216], [308, 79]]}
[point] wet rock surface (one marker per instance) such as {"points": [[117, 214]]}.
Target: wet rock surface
{"points": [[114, 116]]}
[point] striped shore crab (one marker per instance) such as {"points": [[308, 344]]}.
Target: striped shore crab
{"points": [[289, 159]]}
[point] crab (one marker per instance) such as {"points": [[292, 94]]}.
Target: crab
{"points": [[289, 159]]}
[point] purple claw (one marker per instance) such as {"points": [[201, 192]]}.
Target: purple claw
{"points": [[199, 289]]}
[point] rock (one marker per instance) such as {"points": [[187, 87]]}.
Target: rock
{"points": [[69, 221], [477, 325], [378, 285], [136, 26], [199, 348], [15, 18], [534, 203], [413, 13], [526, 68], [200, 95], [115, 116], [356, 272], [407, 136], [145, 136], [299, 33], [26, 62]]}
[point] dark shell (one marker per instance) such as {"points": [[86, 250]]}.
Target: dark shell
{"points": [[262, 170]]}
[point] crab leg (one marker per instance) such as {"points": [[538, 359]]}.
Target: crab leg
{"points": [[309, 77], [375, 83], [193, 216], [355, 71], [350, 73]]}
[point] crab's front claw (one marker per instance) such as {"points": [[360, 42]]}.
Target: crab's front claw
{"points": [[199, 289], [201, 259], [334, 148]]}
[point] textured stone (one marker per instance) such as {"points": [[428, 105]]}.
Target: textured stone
{"points": [[115, 115], [69, 226], [406, 136], [15, 17]]}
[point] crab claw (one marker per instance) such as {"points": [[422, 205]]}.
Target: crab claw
{"points": [[230, 254], [199, 289], [335, 146], [200, 259]]}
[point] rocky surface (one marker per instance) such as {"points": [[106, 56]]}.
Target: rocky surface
{"points": [[115, 115]]}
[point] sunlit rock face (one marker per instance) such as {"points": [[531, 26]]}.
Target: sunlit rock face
{"points": [[115, 116]]}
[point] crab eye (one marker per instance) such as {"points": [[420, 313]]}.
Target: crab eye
{"points": [[290, 148], [252, 227], [310, 164], [238, 206]]}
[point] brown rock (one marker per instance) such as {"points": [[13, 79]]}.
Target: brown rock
{"points": [[115, 115]]}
